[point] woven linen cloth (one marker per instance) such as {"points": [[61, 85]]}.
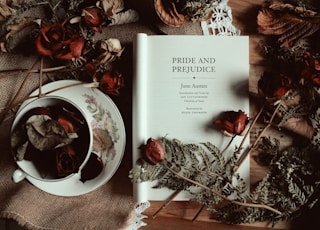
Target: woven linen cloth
{"points": [[109, 207]]}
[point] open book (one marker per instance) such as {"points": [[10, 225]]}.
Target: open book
{"points": [[182, 83]]}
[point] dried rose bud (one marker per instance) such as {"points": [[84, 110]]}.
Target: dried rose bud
{"points": [[93, 17], [153, 151], [111, 82], [233, 123]]}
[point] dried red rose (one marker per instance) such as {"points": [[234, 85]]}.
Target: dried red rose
{"points": [[56, 41], [153, 152], [110, 82], [233, 123], [93, 17], [274, 85], [66, 161], [311, 70]]}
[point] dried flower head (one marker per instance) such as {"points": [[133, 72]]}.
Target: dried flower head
{"points": [[233, 123], [93, 18], [109, 50], [110, 82], [56, 41], [153, 152]]}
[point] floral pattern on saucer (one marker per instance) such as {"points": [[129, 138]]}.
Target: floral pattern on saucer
{"points": [[102, 125]]}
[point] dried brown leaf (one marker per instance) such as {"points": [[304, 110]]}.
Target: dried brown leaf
{"points": [[101, 140], [45, 133], [289, 23]]}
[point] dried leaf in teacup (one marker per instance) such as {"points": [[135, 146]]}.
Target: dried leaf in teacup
{"points": [[21, 151], [45, 133], [18, 137], [290, 23]]}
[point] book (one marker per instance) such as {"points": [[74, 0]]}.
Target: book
{"points": [[181, 83]]}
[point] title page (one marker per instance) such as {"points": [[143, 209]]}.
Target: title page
{"points": [[188, 82]]}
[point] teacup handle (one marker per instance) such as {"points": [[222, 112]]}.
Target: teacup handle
{"points": [[18, 175]]}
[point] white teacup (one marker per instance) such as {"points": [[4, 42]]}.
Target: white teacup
{"points": [[42, 168]]}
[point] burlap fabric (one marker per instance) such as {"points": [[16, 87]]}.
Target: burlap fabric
{"points": [[109, 207]]}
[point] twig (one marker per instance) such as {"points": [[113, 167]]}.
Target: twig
{"points": [[253, 205], [167, 202], [198, 213]]}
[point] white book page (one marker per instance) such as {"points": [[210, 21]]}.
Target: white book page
{"points": [[186, 83]]}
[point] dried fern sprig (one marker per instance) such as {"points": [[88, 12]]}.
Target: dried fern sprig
{"points": [[253, 205]]}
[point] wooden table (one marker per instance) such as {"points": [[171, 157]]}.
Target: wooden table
{"points": [[178, 215]]}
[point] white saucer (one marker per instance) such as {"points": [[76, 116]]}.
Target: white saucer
{"points": [[101, 113]]}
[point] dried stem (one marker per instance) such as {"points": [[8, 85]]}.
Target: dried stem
{"points": [[229, 143], [40, 77], [240, 161], [43, 70], [253, 205], [12, 104]]}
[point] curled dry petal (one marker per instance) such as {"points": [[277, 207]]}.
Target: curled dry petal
{"points": [[233, 123], [153, 152]]}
